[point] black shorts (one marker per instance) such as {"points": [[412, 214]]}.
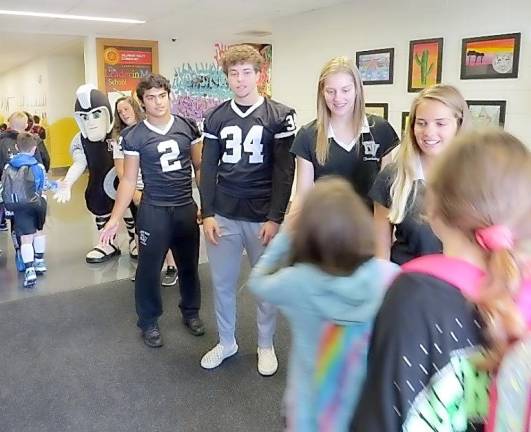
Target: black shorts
{"points": [[30, 218]]}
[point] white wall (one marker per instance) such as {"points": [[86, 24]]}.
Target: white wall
{"points": [[302, 44], [25, 88], [44, 85], [66, 74]]}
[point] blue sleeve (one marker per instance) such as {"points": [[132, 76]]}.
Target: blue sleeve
{"points": [[270, 279], [40, 177]]}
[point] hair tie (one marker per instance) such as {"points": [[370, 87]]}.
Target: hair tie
{"points": [[495, 238]]}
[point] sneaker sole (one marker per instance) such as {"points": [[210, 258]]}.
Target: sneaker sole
{"points": [[225, 358], [267, 374], [167, 284]]}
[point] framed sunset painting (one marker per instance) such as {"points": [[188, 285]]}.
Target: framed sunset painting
{"points": [[494, 56]]}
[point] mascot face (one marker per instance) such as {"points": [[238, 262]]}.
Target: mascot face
{"points": [[93, 113]]}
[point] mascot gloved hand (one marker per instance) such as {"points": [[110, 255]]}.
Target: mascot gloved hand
{"points": [[90, 149]]}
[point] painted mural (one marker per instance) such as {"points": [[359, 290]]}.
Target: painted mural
{"points": [[199, 87]]}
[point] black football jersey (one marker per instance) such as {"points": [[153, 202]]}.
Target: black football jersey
{"points": [[103, 180], [165, 159], [242, 145]]}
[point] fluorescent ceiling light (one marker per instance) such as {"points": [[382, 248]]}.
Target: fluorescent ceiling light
{"points": [[72, 17]]}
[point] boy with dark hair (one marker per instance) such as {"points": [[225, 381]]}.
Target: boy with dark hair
{"points": [[247, 173], [166, 147], [23, 181]]}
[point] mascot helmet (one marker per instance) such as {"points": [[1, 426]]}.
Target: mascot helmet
{"points": [[93, 113]]}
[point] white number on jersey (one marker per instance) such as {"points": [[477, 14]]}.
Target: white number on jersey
{"points": [[252, 144], [169, 154], [290, 119]]}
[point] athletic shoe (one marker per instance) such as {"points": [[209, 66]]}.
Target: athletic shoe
{"points": [[216, 355], [40, 266], [170, 277], [195, 326], [30, 277], [152, 336], [267, 361]]}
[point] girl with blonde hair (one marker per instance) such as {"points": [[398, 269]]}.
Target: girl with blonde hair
{"points": [[437, 114], [342, 140], [448, 320]]}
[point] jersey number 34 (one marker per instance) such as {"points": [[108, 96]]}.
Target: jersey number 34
{"points": [[252, 144]]}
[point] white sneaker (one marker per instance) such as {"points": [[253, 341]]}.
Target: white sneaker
{"points": [[267, 361], [30, 277], [216, 355], [40, 266]]}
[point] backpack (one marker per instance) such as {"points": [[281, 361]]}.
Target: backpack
{"points": [[512, 411], [510, 390], [19, 187]]}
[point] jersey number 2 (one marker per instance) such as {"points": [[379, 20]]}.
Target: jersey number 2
{"points": [[170, 153], [252, 144]]}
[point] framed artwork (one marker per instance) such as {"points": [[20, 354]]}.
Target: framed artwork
{"points": [[490, 56], [404, 123], [487, 112], [379, 109], [122, 63], [425, 63], [376, 66]]}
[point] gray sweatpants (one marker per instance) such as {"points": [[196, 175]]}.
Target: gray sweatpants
{"points": [[225, 260]]}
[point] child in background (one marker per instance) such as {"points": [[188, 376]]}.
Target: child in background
{"points": [[23, 181], [320, 272], [426, 369]]}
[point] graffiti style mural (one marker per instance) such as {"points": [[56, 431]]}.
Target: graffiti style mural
{"points": [[202, 86]]}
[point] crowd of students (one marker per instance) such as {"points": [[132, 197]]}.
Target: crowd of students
{"points": [[403, 270]]}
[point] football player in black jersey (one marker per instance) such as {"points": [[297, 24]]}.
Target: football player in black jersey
{"points": [[247, 173], [165, 147]]}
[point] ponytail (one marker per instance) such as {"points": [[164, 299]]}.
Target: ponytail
{"points": [[503, 321]]}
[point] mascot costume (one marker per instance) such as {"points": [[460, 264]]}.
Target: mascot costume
{"points": [[90, 149]]}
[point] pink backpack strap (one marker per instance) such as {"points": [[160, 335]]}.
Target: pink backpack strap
{"points": [[461, 274]]}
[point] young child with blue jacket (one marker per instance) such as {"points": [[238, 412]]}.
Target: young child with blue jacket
{"points": [[321, 272], [23, 181]]}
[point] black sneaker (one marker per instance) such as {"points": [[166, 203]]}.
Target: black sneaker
{"points": [[152, 337], [170, 277], [195, 326]]}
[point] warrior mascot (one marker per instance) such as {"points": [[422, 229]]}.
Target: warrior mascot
{"points": [[90, 149]]}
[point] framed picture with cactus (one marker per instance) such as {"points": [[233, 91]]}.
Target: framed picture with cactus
{"points": [[425, 63], [494, 56]]}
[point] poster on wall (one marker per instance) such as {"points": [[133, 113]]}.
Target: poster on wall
{"points": [[379, 109], [490, 56], [200, 87], [425, 63], [122, 63], [404, 123], [487, 112], [376, 66]]}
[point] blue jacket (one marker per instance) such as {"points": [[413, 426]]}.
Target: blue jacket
{"points": [[311, 300], [21, 159]]}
